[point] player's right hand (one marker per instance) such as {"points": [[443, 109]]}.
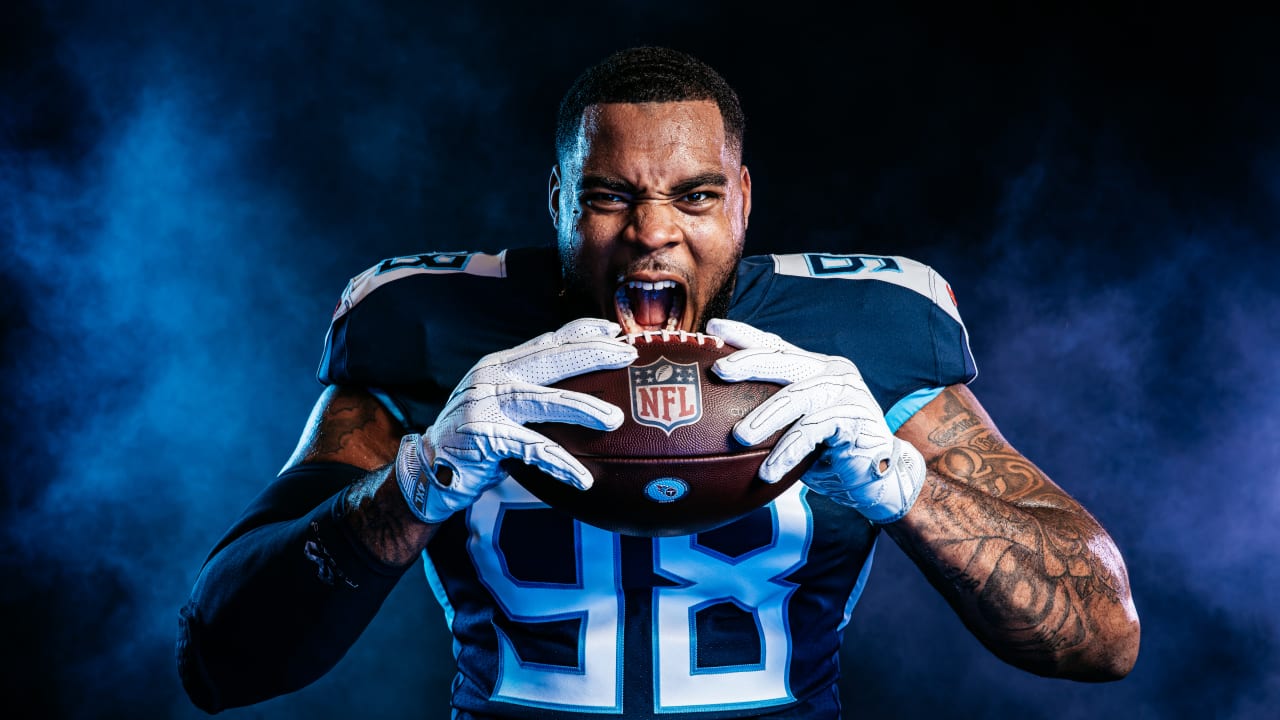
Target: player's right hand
{"points": [[444, 469]]}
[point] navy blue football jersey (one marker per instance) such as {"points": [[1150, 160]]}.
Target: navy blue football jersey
{"points": [[551, 614]]}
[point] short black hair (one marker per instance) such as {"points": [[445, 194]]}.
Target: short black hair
{"points": [[647, 74]]}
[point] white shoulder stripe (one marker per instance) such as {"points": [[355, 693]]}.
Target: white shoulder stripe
{"points": [[431, 263], [893, 269]]}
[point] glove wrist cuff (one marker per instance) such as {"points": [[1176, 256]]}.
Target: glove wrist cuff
{"points": [[416, 479], [906, 471]]}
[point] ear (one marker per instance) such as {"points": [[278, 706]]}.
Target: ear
{"points": [[746, 196], [553, 195]]}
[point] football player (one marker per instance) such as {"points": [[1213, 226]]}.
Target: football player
{"points": [[435, 362]]}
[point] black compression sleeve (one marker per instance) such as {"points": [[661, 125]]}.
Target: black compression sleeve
{"points": [[282, 596]]}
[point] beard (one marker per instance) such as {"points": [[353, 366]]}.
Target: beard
{"points": [[718, 305]]}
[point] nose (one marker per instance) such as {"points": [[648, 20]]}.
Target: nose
{"points": [[654, 226]]}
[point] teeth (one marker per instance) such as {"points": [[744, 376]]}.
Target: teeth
{"points": [[660, 285]]}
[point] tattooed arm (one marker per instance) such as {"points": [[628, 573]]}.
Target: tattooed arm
{"points": [[348, 425], [1030, 572], [295, 581]]}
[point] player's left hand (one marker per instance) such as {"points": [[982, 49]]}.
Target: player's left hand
{"points": [[865, 466]]}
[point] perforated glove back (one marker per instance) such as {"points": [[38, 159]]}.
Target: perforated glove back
{"points": [[444, 469], [865, 466]]}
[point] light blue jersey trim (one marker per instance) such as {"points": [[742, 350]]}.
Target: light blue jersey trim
{"points": [[858, 587], [908, 406], [437, 588], [384, 397]]}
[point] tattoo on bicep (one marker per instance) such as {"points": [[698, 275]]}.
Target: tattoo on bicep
{"points": [[976, 455], [347, 417]]}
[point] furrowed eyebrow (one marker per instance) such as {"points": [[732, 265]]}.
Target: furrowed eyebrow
{"points": [[697, 181], [612, 184], [600, 182]]}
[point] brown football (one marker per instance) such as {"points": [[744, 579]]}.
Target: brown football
{"points": [[673, 467]]}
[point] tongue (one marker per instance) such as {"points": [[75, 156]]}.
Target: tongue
{"points": [[650, 306]]}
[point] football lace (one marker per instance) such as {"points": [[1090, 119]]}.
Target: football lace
{"points": [[649, 336]]}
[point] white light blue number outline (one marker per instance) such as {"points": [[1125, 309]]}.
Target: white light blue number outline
{"points": [[792, 502], [484, 519]]}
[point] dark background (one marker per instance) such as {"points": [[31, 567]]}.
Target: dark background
{"points": [[184, 192]]}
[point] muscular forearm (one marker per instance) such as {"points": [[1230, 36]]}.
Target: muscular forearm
{"points": [[380, 518], [284, 596], [1043, 586], [349, 426]]}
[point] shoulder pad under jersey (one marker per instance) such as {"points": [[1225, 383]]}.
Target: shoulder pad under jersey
{"points": [[411, 326], [895, 317]]}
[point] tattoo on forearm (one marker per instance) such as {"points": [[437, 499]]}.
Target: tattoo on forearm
{"points": [[1029, 560], [350, 426], [384, 532]]}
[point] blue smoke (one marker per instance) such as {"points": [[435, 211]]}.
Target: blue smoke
{"points": [[150, 267], [184, 193], [1127, 344], [163, 263]]}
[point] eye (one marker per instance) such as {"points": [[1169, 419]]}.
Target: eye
{"points": [[699, 199], [604, 201]]}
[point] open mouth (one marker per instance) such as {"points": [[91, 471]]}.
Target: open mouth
{"points": [[642, 305]]}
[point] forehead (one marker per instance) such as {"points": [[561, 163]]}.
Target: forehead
{"points": [[628, 138]]}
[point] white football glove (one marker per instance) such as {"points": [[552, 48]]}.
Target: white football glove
{"points": [[865, 466], [444, 469]]}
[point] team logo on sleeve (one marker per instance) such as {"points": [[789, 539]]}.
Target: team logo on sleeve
{"points": [[432, 263], [821, 264], [666, 394], [456, 262]]}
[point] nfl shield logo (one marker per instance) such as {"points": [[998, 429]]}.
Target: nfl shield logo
{"points": [[666, 394]]}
